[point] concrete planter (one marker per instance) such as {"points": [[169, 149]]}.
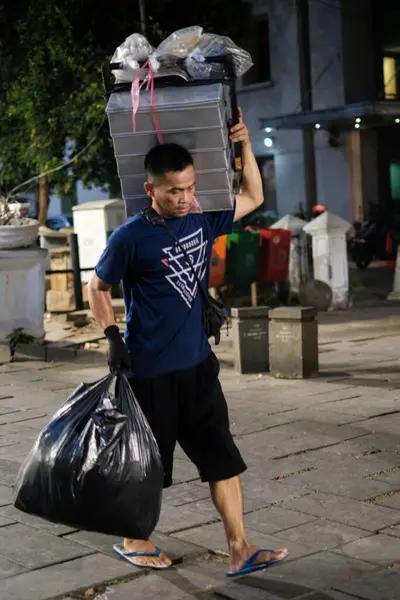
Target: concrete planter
{"points": [[19, 236], [22, 289]]}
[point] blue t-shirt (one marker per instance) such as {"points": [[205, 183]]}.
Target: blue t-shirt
{"points": [[164, 329]]}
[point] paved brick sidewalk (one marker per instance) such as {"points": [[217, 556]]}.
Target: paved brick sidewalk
{"points": [[323, 480]]}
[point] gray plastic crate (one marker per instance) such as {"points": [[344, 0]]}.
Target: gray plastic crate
{"points": [[141, 143], [209, 202], [177, 108], [205, 181], [136, 204], [204, 160], [215, 201]]}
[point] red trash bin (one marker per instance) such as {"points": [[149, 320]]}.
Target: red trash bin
{"points": [[218, 260], [274, 254]]}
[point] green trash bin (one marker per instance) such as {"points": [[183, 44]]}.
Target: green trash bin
{"points": [[242, 257]]}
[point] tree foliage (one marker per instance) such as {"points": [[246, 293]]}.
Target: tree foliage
{"points": [[51, 92]]}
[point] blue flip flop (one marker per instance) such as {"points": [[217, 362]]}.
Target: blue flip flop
{"points": [[250, 567], [130, 557]]}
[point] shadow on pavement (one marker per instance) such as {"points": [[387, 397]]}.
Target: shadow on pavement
{"points": [[245, 588]]}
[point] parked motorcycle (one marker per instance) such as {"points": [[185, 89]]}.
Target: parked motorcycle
{"points": [[369, 240], [362, 244]]}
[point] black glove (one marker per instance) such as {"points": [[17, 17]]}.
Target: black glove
{"points": [[118, 354]]}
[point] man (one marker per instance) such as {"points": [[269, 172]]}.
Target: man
{"points": [[174, 372]]}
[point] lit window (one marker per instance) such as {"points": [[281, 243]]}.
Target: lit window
{"points": [[390, 77]]}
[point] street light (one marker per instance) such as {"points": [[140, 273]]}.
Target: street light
{"points": [[269, 142]]}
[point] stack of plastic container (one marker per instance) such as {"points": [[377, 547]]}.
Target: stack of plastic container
{"points": [[194, 116], [186, 93]]}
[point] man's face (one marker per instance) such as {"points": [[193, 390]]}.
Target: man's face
{"points": [[172, 196]]}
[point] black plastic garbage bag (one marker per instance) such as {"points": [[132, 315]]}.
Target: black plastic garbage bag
{"points": [[96, 465]]}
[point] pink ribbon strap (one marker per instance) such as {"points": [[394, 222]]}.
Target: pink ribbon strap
{"points": [[195, 206], [135, 96]]}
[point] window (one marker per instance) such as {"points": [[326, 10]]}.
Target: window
{"points": [[390, 70], [257, 43]]}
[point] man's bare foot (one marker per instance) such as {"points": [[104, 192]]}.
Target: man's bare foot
{"points": [[146, 546], [240, 554]]}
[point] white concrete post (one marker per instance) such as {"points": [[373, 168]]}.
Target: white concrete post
{"points": [[22, 291], [395, 293], [298, 262], [330, 255]]}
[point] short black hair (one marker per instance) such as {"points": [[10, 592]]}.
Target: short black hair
{"points": [[166, 158]]}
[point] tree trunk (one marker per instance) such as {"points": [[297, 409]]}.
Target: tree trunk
{"points": [[44, 196], [114, 190]]}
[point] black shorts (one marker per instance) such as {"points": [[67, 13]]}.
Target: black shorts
{"points": [[189, 407]]}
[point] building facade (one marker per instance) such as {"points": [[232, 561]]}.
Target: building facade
{"points": [[349, 106]]}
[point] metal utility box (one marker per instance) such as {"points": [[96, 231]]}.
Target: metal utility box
{"points": [[93, 223]]}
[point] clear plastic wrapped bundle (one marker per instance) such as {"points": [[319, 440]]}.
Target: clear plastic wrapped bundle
{"points": [[166, 59], [175, 47], [211, 45], [135, 50], [186, 53]]}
